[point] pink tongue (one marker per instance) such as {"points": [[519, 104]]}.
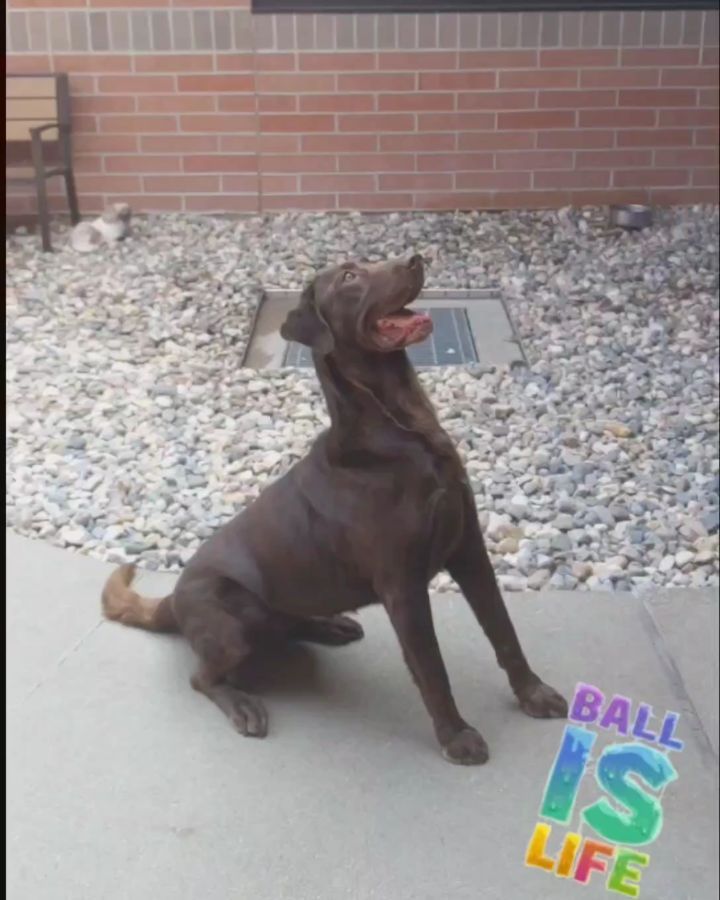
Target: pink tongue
{"points": [[395, 325]]}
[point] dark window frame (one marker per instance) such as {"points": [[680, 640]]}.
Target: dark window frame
{"points": [[455, 6]]}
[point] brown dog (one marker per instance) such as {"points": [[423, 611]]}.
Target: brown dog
{"points": [[380, 504]]}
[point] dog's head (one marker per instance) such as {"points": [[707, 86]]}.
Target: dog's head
{"points": [[361, 306]]}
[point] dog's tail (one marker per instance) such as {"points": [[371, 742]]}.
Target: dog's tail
{"points": [[122, 604]]}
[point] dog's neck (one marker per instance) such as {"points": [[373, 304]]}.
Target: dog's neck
{"points": [[368, 394]]}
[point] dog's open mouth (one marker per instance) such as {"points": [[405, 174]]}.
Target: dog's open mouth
{"points": [[401, 329]]}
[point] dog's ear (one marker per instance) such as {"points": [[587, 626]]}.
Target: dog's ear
{"points": [[306, 326]]}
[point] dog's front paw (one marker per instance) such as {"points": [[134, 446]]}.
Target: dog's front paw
{"points": [[543, 702], [466, 748]]}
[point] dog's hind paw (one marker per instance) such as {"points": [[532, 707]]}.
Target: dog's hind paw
{"points": [[331, 630]]}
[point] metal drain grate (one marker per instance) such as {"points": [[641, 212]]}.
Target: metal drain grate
{"points": [[469, 327], [450, 344]]}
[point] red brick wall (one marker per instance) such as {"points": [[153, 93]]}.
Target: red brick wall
{"points": [[204, 107]]}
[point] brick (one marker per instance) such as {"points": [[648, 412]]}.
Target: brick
{"points": [[339, 143], [676, 117], [370, 202], [696, 77], [142, 163], [571, 140], [590, 178], [710, 56], [452, 200], [611, 159], [297, 83], [709, 97], [531, 199], [644, 56], [398, 143], [539, 79], [335, 62], [403, 181], [415, 62], [375, 123], [319, 202], [210, 124], [178, 103], [455, 121], [268, 103], [457, 81], [337, 103], [577, 99], [245, 103], [102, 104], [82, 85], [578, 59], [97, 62], [650, 177], [499, 100], [239, 143], [500, 140], [236, 162], [655, 137], [264, 62], [492, 181], [706, 137], [497, 59], [534, 159], [587, 197], [623, 77], [84, 124], [454, 162], [661, 97], [137, 124], [376, 82], [136, 84], [687, 156], [540, 120], [306, 162], [413, 102], [179, 143], [102, 143], [135, 4], [270, 143], [345, 183], [180, 184], [27, 64], [616, 118], [683, 196], [102, 183], [277, 184], [244, 203], [376, 162], [705, 177], [88, 164], [174, 63], [216, 83], [296, 124]]}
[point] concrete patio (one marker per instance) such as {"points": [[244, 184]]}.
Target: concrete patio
{"points": [[123, 783]]}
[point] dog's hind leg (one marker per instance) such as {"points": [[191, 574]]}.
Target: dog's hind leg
{"points": [[222, 643]]}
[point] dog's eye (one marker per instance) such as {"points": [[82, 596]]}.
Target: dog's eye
{"points": [[349, 276]]}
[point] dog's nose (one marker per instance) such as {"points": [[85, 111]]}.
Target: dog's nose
{"points": [[415, 262]]}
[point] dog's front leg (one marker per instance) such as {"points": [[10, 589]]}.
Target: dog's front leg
{"points": [[409, 612], [471, 568]]}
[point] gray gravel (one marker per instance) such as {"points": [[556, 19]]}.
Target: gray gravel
{"points": [[132, 432]]}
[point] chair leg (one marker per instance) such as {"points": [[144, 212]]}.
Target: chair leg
{"points": [[44, 214], [72, 196]]}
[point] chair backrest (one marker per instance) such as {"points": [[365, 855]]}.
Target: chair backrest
{"points": [[32, 100]]}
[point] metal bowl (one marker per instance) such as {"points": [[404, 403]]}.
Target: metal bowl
{"points": [[632, 216]]}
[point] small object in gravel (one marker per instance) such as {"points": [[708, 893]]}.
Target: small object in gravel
{"points": [[632, 216], [112, 226]]}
